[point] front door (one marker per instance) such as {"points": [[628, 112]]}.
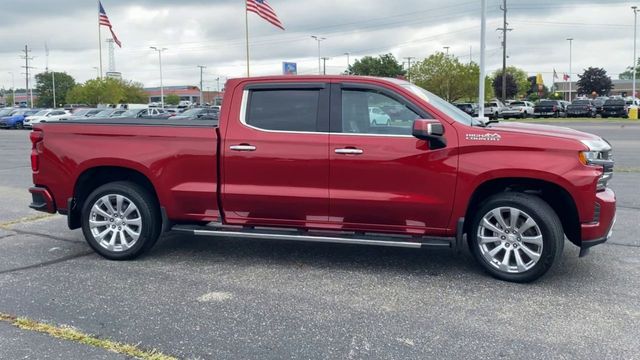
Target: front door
{"points": [[381, 177], [276, 162]]}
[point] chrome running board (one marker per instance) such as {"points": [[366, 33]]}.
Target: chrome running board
{"points": [[335, 237]]}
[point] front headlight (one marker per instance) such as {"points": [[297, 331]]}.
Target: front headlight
{"points": [[599, 154]]}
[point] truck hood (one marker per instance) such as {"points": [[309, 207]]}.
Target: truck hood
{"points": [[543, 130]]}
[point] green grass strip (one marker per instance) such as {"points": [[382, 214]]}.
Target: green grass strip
{"points": [[71, 334]]}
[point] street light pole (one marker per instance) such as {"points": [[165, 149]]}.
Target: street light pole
{"points": [[202, 67], [483, 39], [319, 39], [160, 50], [13, 88], [635, 60], [570, 60], [53, 79], [348, 63]]}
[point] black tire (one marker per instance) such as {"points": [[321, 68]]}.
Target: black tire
{"points": [[149, 212], [19, 126], [545, 218]]}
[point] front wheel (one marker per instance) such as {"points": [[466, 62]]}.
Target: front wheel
{"points": [[19, 126], [121, 220], [516, 237]]}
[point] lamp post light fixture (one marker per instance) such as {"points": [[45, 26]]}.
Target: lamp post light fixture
{"points": [[570, 60], [160, 50], [319, 39]]}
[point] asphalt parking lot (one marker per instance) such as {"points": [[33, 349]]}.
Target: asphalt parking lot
{"points": [[201, 298]]}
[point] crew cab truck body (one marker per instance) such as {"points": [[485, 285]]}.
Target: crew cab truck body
{"points": [[297, 158]]}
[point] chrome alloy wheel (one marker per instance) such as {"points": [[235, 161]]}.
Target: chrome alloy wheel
{"points": [[115, 222], [510, 240]]}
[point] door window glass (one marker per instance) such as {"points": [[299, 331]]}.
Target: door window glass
{"points": [[371, 112], [284, 110]]}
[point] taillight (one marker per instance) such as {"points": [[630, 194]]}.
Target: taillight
{"points": [[36, 136]]}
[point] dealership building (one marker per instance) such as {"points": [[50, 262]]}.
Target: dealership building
{"points": [[623, 88]]}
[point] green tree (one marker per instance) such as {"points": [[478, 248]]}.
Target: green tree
{"points": [[447, 77], [518, 84], [384, 65], [133, 93], [106, 91], [628, 74], [172, 99], [594, 80], [44, 87]]}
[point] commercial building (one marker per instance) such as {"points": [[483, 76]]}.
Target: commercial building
{"points": [[620, 87], [185, 93]]}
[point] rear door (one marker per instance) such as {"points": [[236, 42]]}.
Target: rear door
{"points": [[276, 162], [381, 177]]}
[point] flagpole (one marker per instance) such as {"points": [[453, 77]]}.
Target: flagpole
{"points": [[246, 23], [99, 40]]}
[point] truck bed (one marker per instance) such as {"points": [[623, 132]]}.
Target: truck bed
{"points": [[178, 157]]}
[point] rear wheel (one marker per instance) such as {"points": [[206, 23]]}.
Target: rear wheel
{"points": [[121, 220], [516, 237], [19, 126]]}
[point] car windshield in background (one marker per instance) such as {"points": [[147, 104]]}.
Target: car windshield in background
{"points": [[548, 103], [581, 102], [5, 112], [81, 112], [517, 103], [615, 102], [442, 105], [191, 112], [130, 113], [41, 113]]}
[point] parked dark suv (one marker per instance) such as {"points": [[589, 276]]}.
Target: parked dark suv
{"points": [[615, 108], [469, 108], [581, 108]]}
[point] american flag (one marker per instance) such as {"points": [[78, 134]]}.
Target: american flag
{"points": [[103, 19], [262, 8]]}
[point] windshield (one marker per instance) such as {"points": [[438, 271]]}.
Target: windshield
{"points": [[82, 112], [41, 113], [191, 112], [442, 105], [517, 103], [5, 112], [130, 113], [614, 102], [548, 103], [104, 113]]}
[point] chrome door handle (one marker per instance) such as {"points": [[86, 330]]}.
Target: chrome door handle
{"points": [[349, 151], [243, 147]]}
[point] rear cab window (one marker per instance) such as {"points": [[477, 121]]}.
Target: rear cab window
{"points": [[284, 109]]}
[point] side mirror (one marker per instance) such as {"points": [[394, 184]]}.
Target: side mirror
{"points": [[431, 131]]}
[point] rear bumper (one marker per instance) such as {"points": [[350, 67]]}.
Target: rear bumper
{"points": [[42, 200], [599, 231]]}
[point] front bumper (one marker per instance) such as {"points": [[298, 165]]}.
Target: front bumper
{"points": [[42, 200], [601, 229]]}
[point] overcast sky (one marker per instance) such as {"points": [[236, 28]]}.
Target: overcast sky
{"points": [[211, 33]]}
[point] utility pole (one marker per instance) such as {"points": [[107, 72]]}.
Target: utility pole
{"points": [[218, 82], [26, 66], [319, 40], [504, 30], [446, 48], [53, 80], [324, 65], [202, 67], [409, 58]]}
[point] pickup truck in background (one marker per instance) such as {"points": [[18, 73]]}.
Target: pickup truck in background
{"points": [[518, 109], [615, 108], [582, 108], [297, 158], [493, 109], [549, 108]]}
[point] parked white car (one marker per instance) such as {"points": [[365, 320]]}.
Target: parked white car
{"points": [[44, 116], [518, 109], [378, 117], [493, 109]]}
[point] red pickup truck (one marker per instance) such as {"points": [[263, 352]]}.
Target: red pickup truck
{"points": [[340, 159]]}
